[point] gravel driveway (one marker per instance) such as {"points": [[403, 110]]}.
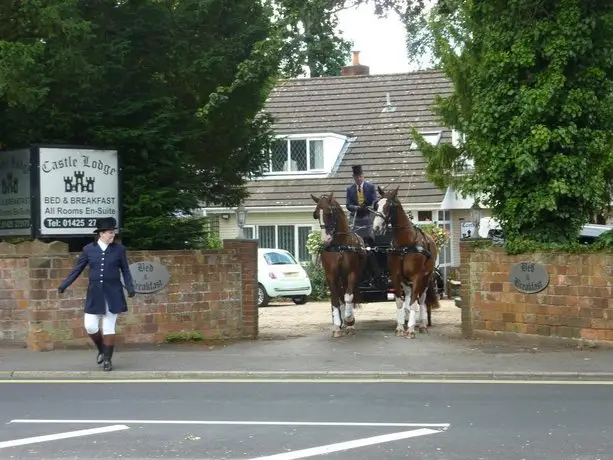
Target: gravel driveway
{"points": [[285, 319]]}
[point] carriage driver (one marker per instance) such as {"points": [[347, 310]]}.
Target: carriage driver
{"points": [[360, 195]]}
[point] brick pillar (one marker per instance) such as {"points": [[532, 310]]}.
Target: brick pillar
{"points": [[47, 326], [466, 288], [247, 252]]}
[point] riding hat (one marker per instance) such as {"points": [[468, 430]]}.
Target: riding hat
{"points": [[105, 223]]}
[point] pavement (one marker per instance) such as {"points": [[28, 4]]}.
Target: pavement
{"points": [[374, 352], [288, 421]]}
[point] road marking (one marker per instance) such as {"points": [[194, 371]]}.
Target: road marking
{"points": [[65, 435], [314, 380], [363, 442], [232, 422]]}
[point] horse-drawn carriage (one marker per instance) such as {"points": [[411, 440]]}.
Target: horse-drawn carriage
{"points": [[377, 287], [406, 259]]}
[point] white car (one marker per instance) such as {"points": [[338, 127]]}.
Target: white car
{"points": [[280, 275]]}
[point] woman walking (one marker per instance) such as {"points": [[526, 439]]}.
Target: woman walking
{"points": [[105, 298]]}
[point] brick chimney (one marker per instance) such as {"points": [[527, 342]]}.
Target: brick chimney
{"points": [[355, 69]]}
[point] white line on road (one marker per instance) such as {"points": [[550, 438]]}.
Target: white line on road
{"points": [[233, 422], [65, 435], [329, 448]]}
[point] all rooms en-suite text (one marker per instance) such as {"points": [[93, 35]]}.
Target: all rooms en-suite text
{"points": [[60, 210]]}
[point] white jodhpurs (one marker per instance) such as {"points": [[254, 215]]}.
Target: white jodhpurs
{"points": [[108, 322]]}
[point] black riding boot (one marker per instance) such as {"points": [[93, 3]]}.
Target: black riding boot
{"points": [[97, 339], [107, 364]]}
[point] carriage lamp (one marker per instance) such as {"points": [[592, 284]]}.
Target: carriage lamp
{"points": [[241, 217], [475, 217]]}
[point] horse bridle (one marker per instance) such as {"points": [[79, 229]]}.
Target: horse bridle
{"points": [[392, 216], [330, 227]]}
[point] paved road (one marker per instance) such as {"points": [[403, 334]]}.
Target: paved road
{"points": [[449, 421]]}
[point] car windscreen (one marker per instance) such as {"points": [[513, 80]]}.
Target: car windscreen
{"points": [[277, 258]]}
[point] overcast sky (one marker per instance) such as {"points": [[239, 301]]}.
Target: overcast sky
{"points": [[381, 42]]}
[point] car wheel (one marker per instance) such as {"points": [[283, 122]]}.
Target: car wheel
{"points": [[300, 300], [263, 297]]}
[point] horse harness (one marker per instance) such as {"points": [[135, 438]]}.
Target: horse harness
{"points": [[390, 219]]}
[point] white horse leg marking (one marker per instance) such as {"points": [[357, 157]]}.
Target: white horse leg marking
{"points": [[336, 321], [399, 317], [336, 318], [423, 312], [349, 307], [349, 314], [410, 310]]}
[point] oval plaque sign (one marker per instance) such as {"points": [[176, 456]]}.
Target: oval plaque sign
{"points": [[148, 277], [529, 277]]}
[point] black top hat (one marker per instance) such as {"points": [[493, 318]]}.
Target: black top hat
{"points": [[357, 170], [106, 223]]}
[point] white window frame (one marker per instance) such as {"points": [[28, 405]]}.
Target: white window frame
{"points": [[308, 140], [296, 252], [432, 137], [253, 228]]}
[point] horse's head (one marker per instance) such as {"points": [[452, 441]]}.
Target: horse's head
{"points": [[385, 209], [327, 212]]}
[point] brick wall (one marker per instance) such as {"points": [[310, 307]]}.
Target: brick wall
{"points": [[576, 304], [212, 292]]}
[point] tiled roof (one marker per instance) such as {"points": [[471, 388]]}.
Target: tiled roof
{"points": [[352, 106]]}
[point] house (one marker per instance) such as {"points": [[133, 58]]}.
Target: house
{"points": [[325, 125]]}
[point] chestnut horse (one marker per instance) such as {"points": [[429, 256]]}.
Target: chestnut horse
{"points": [[343, 259], [411, 260]]}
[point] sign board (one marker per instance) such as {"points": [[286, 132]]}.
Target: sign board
{"points": [[529, 277], [148, 277], [15, 193], [468, 230], [77, 186]]}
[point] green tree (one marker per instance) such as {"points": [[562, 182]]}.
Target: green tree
{"points": [[533, 97], [176, 86], [311, 36]]}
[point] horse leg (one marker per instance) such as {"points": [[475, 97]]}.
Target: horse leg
{"points": [[399, 301], [408, 310], [412, 305], [349, 296], [336, 312], [432, 299], [422, 312], [341, 300]]}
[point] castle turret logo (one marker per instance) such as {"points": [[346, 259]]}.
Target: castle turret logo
{"points": [[10, 184], [78, 186]]}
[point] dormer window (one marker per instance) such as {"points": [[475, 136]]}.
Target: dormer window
{"points": [[432, 137], [305, 155], [297, 156]]}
